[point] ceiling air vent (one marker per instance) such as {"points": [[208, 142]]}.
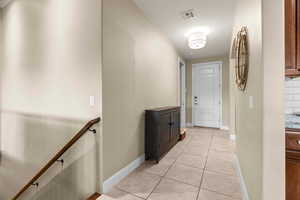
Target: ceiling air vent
{"points": [[188, 14]]}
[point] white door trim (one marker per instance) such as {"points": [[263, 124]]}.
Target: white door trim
{"points": [[221, 90], [182, 95]]}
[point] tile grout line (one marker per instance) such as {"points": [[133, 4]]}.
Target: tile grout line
{"points": [[161, 177], [160, 180], [220, 173], [204, 169], [164, 176], [176, 159], [201, 176], [226, 195], [130, 193], [210, 142], [181, 182]]}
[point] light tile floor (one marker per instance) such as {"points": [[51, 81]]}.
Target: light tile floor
{"points": [[201, 167]]}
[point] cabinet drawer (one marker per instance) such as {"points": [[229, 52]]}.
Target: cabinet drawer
{"points": [[293, 141]]}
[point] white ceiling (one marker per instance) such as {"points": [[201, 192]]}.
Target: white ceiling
{"points": [[215, 15], [3, 3]]}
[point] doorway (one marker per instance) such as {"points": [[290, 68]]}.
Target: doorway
{"points": [[182, 68], [207, 94]]}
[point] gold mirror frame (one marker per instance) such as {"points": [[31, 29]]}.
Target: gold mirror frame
{"points": [[241, 51]]}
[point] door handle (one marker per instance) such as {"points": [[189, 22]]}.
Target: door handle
{"points": [[171, 123]]}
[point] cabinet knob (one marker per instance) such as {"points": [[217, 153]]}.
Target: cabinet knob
{"points": [[172, 123]]}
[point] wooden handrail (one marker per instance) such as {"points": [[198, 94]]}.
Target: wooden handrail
{"points": [[58, 155]]}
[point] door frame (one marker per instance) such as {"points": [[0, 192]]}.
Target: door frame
{"points": [[220, 63], [182, 84]]}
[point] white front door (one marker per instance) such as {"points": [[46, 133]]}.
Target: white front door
{"points": [[182, 95], [207, 95]]}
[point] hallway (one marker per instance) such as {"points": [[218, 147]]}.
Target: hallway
{"points": [[202, 167], [79, 79]]}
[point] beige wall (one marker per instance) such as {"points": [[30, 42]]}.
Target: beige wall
{"points": [[260, 130], [249, 122], [50, 65], [274, 133], [140, 68], [225, 89]]}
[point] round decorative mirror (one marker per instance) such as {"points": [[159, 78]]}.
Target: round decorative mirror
{"points": [[242, 58]]}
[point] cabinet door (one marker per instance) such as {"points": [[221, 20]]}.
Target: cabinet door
{"points": [[175, 127], [292, 179], [164, 133], [298, 37], [291, 37]]}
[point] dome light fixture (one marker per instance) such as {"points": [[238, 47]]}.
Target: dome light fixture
{"points": [[197, 40]]}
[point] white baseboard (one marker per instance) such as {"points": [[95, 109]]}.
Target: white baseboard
{"points": [[242, 180], [189, 125], [232, 137], [117, 177], [225, 128]]}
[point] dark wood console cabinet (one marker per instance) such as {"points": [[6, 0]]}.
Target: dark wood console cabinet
{"points": [[162, 131]]}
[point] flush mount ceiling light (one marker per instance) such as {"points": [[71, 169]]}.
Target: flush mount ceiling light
{"points": [[198, 29], [197, 40]]}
